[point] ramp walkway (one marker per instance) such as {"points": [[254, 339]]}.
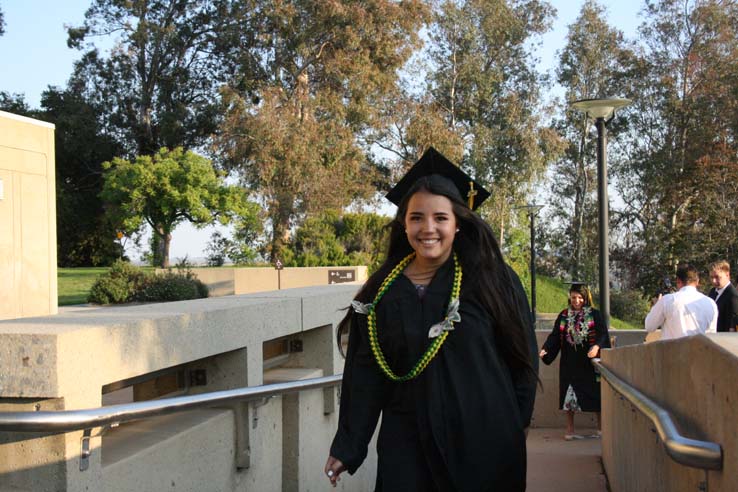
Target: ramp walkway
{"points": [[555, 465]]}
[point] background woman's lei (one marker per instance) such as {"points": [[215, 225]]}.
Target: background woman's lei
{"points": [[577, 325]]}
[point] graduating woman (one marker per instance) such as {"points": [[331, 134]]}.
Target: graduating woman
{"points": [[441, 344], [578, 333]]}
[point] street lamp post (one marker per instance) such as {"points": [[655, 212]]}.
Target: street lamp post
{"points": [[602, 111], [532, 209], [279, 267]]}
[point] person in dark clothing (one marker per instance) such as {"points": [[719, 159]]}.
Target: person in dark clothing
{"points": [[578, 333], [441, 344], [724, 295]]}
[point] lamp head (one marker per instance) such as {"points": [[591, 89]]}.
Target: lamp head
{"points": [[600, 108]]}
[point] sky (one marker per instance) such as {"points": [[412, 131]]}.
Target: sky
{"points": [[34, 55]]}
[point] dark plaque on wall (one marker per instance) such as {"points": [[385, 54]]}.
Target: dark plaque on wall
{"points": [[341, 276]]}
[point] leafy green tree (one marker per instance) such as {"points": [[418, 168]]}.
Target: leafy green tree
{"points": [[247, 242], [165, 189], [334, 238], [216, 251], [363, 232], [2, 23], [158, 86], [85, 235], [247, 245], [316, 242], [292, 130], [16, 104], [683, 145]]}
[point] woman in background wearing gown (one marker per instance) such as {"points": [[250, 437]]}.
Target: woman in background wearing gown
{"points": [[441, 344], [578, 333]]}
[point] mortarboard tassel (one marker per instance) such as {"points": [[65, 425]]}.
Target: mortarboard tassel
{"points": [[471, 194]]}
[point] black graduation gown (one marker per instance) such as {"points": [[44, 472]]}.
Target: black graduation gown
{"points": [[456, 427], [575, 368]]}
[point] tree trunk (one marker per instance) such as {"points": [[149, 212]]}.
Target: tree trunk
{"points": [[280, 229], [144, 134], [579, 202], [162, 247], [502, 226]]}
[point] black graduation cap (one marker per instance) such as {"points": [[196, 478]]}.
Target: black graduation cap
{"points": [[575, 284], [433, 162]]}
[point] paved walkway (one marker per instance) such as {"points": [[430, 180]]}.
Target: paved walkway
{"points": [[555, 465]]}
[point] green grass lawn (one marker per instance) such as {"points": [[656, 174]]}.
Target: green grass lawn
{"points": [[74, 283]]}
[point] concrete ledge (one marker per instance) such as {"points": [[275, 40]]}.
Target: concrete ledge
{"points": [[72, 355]]}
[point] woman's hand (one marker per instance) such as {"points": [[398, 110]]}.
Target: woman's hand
{"points": [[542, 353], [333, 469], [593, 351]]}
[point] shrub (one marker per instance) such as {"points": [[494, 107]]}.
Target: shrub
{"points": [[178, 284], [118, 285], [127, 283], [628, 305], [202, 289], [171, 286]]}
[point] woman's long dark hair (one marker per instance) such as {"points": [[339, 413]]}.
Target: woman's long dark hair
{"points": [[485, 272]]}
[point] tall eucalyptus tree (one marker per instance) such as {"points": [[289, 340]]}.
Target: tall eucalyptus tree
{"points": [[591, 65], [158, 85], [291, 130], [485, 84], [680, 178]]}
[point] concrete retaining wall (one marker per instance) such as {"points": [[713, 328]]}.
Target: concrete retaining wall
{"points": [[695, 380], [62, 362], [225, 281]]}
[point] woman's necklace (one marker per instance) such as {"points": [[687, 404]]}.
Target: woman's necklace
{"points": [[439, 332], [420, 277], [578, 325]]}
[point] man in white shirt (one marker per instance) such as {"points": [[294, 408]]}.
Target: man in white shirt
{"points": [[685, 312]]}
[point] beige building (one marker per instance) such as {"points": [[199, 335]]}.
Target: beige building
{"points": [[27, 218]]}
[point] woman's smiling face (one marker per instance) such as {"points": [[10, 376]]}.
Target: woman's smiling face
{"points": [[576, 300], [430, 225]]}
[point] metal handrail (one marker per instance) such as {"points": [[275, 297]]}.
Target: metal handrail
{"points": [[70, 420], [690, 452]]}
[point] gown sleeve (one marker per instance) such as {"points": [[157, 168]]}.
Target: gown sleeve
{"points": [[603, 336], [552, 345], [364, 390], [524, 383]]}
